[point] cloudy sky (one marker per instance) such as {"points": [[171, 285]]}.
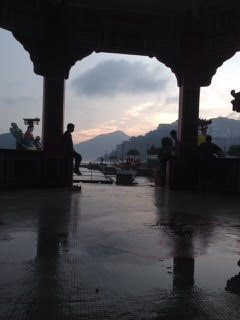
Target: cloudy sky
{"points": [[107, 92]]}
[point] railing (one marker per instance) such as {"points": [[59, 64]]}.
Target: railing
{"points": [[94, 178], [225, 175], [34, 168]]}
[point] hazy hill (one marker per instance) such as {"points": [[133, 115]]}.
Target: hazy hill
{"points": [[143, 142], [224, 131], [90, 149], [98, 146], [7, 141]]}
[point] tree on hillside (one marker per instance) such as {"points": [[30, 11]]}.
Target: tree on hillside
{"points": [[133, 152], [234, 150]]}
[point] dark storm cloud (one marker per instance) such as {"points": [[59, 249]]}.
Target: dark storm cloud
{"points": [[112, 77]]}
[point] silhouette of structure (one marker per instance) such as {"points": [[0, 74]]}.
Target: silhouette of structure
{"points": [[236, 101], [26, 141], [193, 38]]}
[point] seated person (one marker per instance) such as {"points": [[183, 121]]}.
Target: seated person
{"points": [[67, 144], [209, 150]]}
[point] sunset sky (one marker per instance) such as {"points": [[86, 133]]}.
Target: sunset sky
{"points": [[107, 92]]}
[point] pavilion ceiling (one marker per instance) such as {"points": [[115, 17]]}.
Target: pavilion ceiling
{"points": [[173, 31]]}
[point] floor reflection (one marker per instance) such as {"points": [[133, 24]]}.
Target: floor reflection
{"points": [[188, 235], [54, 218], [137, 253], [55, 226], [191, 233], [183, 273]]}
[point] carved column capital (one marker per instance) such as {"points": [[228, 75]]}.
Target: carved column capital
{"points": [[197, 60], [50, 58]]}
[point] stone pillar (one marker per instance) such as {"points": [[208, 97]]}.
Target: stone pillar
{"points": [[190, 78], [53, 113], [188, 119]]}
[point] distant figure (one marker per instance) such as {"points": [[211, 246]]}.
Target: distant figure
{"points": [[202, 135], [166, 150], [164, 155], [68, 147], [203, 128], [236, 101], [175, 147]]}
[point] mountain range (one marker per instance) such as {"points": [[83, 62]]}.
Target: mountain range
{"points": [[7, 141], [100, 146], [225, 132], [90, 150]]}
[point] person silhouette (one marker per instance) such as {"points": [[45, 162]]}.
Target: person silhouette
{"points": [[68, 148], [175, 147], [208, 152]]}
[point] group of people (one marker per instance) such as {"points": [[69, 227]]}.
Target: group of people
{"points": [[206, 150], [170, 148]]}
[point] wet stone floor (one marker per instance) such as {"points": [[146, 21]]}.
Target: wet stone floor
{"points": [[119, 252]]}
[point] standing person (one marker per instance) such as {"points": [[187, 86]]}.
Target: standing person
{"points": [[175, 146], [68, 147], [165, 154]]}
